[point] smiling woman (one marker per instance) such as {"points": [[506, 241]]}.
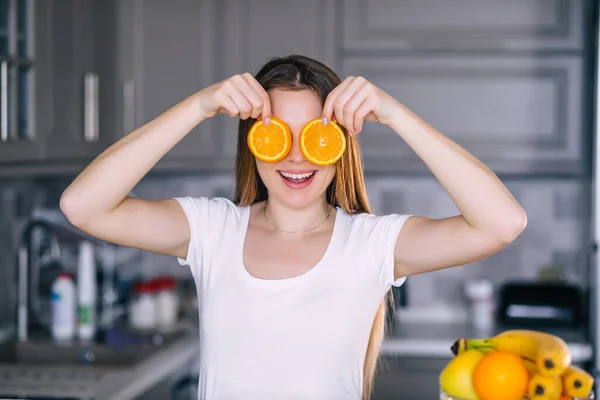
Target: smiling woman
{"points": [[294, 273]]}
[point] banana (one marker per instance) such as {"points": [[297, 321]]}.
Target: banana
{"points": [[544, 387], [550, 353], [577, 383], [531, 366]]}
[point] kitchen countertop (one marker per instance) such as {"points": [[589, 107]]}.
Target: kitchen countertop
{"points": [[103, 383], [433, 340], [408, 339], [155, 369]]}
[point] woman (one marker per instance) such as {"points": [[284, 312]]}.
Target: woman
{"points": [[292, 275]]}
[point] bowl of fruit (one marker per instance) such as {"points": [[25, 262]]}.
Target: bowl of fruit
{"points": [[514, 365]]}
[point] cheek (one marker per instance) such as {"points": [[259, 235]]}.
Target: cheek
{"points": [[327, 173], [265, 169]]}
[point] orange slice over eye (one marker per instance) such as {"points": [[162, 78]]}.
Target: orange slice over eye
{"points": [[270, 143], [322, 144]]}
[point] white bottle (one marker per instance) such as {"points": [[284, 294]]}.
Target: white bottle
{"points": [[481, 294], [86, 293], [142, 314], [166, 304], [63, 308]]}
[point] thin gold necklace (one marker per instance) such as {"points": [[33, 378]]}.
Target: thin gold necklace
{"points": [[281, 230]]}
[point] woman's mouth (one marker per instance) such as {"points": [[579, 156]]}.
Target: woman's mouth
{"points": [[297, 180]]}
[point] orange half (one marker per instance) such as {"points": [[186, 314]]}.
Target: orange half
{"points": [[270, 143], [322, 144]]}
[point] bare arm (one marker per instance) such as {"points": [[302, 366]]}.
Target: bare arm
{"points": [[490, 217], [97, 201]]}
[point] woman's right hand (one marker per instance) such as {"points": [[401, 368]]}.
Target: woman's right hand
{"points": [[240, 95]]}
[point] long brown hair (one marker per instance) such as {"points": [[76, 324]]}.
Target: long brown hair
{"points": [[347, 189]]}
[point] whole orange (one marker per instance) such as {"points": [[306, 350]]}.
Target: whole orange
{"points": [[500, 375]]}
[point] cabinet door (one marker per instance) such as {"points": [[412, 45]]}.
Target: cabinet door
{"points": [[81, 72], [19, 140], [263, 29], [409, 25], [519, 114], [167, 53]]}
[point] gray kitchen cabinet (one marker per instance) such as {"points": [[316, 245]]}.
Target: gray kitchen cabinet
{"points": [[505, 80], [18, 139], [78, 72], [411, 378], [424, 25], [61, 108], [168, 51], [262, 29], [517, 113]]}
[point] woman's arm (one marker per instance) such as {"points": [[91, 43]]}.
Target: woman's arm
{"points": [[490, 217], [97, 201]]}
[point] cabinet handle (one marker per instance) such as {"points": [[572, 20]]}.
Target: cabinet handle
{"points": [[128, 107], [23, 296], [4, 101], [90, 112]]}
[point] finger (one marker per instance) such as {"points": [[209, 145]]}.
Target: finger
{"points": [[350, 116], [363, 110], [331, 98], [228, 105], [266, 101], [242, 104], [241, 85], [255, 100], [342, 100]]}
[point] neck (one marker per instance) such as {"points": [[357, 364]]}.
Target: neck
{"points": [[297, 220]]}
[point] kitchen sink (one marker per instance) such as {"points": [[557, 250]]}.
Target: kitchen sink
{"points": [[113, 354]]}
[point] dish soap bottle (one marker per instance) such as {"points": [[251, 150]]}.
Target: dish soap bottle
{"points": [[63, 308], [86, 293]]}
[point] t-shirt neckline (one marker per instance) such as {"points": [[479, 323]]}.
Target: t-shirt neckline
{"points": [[286, 281]]}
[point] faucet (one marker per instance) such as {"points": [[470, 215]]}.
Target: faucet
{"points": [[29, 270]]}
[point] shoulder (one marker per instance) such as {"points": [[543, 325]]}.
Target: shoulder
{"points": [[376, 232], [214, 204], [367, 224], [209, 210], [210, 220], [372, 238]]}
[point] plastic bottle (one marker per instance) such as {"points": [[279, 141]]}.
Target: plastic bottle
{"points": [[63, 308], [481, 294], [86, 292], [167, 303], [142, 313]]}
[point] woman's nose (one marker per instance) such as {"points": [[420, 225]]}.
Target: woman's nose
{"points": [[295, 154]]}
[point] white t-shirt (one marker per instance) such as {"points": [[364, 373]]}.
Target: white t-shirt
{"points": [[299, 338]]}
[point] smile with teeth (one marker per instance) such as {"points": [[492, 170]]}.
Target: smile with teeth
{"points": [[296, 177]]}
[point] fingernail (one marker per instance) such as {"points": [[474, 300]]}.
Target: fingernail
{"points": [[267, 121], [324, 121]]}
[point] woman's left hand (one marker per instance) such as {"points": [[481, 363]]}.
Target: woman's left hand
{"points": [[356, 100]]}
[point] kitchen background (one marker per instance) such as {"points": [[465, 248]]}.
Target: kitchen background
{"points": [[512, 81]]}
